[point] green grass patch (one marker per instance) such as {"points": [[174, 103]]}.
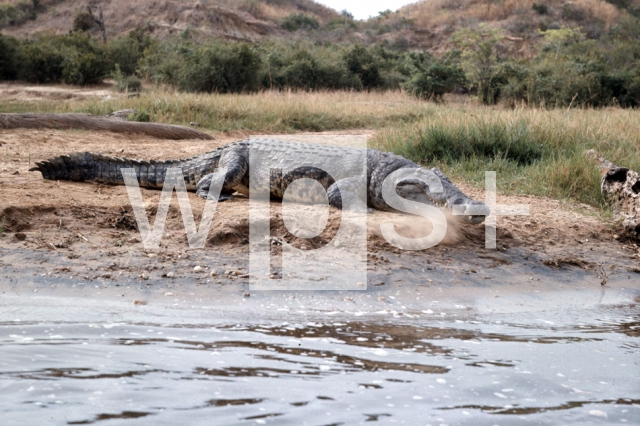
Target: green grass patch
{"points": [[533, 152]]}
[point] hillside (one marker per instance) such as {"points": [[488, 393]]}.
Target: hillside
{"points": [[429, 24], [242, 20], [425, 25]]}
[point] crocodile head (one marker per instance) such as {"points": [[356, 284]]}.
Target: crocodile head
{"points": [[451, 198]]}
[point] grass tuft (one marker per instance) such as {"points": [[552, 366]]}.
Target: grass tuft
{"points": [[533, 151]]}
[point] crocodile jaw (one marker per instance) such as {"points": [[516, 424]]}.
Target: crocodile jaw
{"points": [[473, 212]]}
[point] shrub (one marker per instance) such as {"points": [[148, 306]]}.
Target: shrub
{"points": [[623, 87], [83, 21], [8, 53], [347, 14], [126, 83], [298, 66], [127, 51], [74, 58], [341, 23], [362, 64], [541, 9], [434, 81], [480, 60], [141, 116], [218, 66], [560, 82], [480, 139], [18, 14], [300, 21]]}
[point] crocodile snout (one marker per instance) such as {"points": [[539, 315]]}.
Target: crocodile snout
{"points": [[471, 212]]}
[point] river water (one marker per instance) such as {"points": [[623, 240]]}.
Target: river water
{"points": [[560, 357]]}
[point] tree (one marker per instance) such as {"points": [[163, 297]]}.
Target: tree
{"points": [[345, 13], [362, 63], [479, 59], [565, 36], [100, 21], [300, 21]]}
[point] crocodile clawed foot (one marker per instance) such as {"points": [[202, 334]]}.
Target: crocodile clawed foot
{"points": [[204, 193]]}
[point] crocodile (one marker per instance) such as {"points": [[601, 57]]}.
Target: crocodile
{"points": [[234, 158]]}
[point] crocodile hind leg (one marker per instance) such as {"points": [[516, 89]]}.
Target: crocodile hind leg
{"points": [[207, 187], [347, 192], [233, 168]]}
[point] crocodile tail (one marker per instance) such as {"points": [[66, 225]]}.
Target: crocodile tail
{"points": [[87, 166]]}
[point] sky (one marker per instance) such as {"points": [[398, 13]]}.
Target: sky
{"points": [[362, 9]]}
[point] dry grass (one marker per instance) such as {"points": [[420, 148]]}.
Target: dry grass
{"points": [[266, 112], [604, 11], [461, 138], [277, 11], [446, 13]]}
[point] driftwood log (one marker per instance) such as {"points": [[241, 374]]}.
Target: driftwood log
{"points": [[98, 123], [622, 187]]}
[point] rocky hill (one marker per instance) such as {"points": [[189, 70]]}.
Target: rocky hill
{"points": [[429, 24], [243, 20], [425, 25]]}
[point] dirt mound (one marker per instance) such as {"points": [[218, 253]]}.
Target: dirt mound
{"points": [[233, 231]]}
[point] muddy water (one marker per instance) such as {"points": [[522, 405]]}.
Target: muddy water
{"points": [[543, 357]]}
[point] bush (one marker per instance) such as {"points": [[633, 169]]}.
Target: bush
{"points": [[126, 83], [541, 9], [8, 53], [624, 88], [560, 82], [308, 67], [219, 66], [127, 51], [141, 116], [83, 21], [22, 12], [434, 81], [479, 139], [300, 21], [345, 13], [74, 58], [431, 79], [341, 23], [362, 64]]}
